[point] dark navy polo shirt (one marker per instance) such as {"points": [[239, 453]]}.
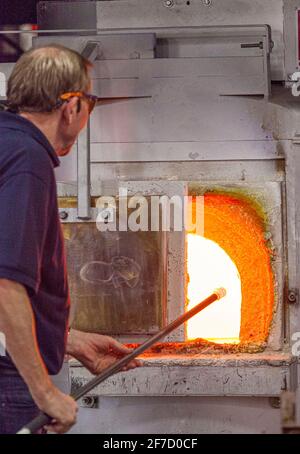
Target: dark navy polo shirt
{"points": [[31, 241]]}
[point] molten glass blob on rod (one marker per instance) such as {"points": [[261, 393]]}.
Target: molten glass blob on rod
{"points": [[43, 419]]}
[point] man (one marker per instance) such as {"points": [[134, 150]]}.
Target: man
{"points": [[48, 105]]}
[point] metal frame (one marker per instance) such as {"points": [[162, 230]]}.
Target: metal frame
{"points": [[176, 241], [291, 37]]}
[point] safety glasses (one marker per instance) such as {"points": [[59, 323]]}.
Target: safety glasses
{"points": [[91, 99]]}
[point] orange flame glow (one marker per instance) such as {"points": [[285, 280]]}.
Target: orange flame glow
{"points": [[232, 254]]}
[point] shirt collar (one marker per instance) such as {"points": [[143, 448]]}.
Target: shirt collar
{"points": [[11, 120]]}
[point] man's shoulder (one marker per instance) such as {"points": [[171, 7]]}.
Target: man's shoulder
{"points": [[19, 152]]}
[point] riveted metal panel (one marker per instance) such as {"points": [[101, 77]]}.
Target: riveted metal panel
{"points": [[143, 14]]}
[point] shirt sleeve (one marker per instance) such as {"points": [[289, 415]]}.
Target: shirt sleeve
{"points": [[24, 221]]}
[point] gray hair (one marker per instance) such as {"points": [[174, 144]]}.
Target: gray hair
{"points": [[42, 75]]}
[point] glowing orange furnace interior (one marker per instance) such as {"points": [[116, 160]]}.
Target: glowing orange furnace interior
{"points": [[233, 254]]}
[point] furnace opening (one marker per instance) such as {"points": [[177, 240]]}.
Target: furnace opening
{"points": [[233, 253]]}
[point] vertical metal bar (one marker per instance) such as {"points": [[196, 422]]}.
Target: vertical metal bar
{"points": [[292, 176], [84, 175], [83, 164], [267, 65], [285, 308]]}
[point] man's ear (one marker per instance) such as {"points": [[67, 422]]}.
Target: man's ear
{"points": [[70, 110]]}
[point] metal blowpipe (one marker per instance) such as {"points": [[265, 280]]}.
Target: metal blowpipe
{"points": [[43, 419]]}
